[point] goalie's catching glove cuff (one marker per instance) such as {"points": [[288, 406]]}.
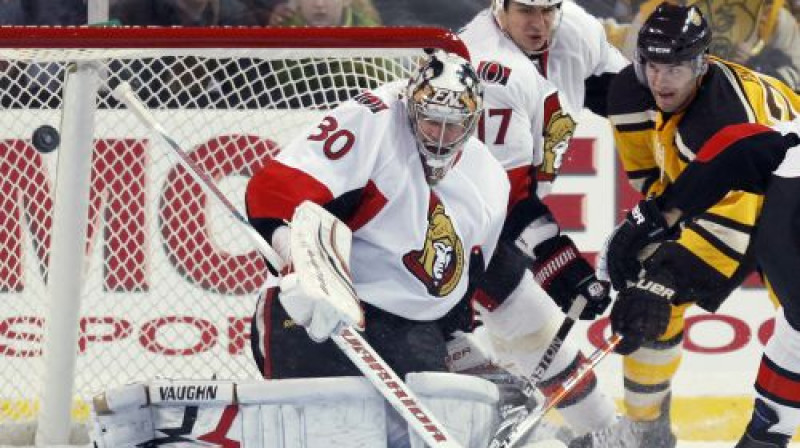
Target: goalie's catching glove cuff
{"points": [[641, 313], [564, 274], [319, 315], [319, 294]]}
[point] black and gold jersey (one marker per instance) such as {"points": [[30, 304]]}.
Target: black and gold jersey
{"points": [[655, 148]]}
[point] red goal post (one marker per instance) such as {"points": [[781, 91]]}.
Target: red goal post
{"points": [[114, 265]]}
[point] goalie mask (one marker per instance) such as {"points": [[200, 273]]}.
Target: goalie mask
{"points": [[519, 25], [444, 101]]}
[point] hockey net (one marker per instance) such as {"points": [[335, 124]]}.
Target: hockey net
{"points": [[167, 281]]}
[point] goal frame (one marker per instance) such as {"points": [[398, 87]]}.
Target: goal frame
{"points": [[70, 213]]}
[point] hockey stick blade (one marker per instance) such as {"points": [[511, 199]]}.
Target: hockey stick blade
{"points": [[521, 429]]}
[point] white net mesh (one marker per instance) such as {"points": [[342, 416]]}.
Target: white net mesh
{"points": [[170, 280]]}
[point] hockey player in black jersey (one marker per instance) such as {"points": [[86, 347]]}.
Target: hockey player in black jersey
{"points": [[664, 107], [763, 160]]}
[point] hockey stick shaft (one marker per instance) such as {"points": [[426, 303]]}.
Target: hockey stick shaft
{"points": [[522, 428], [402, 399], [550, 353], [124, 93], [374, 368], [512, 417]]}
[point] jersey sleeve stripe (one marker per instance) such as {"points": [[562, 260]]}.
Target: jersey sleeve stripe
{"points": [[727, 222], [697, 242], [723, 140], [520, 179], [276, 190], [371, 203], [719, 244], [725, 237]]}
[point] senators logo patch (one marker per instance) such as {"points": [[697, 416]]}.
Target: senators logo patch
{"points": [[559, 127], [369, 99], [493, 72], [440, 263]]}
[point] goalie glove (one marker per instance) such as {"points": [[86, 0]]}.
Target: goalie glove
{"points": [[564, 274], [642, 311], [643, 225], [319, 294]]}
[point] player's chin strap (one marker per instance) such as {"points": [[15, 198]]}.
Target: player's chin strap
{"points": [[512, 431], [357, 349]]}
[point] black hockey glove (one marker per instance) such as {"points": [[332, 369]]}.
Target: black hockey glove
{"points": [[565, 274], [643, 225], [641, 312]]}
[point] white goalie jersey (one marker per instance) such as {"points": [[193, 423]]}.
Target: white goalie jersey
{"points": [[411, 241]]}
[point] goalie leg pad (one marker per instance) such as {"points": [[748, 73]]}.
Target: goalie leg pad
{"points": [[120, 417], [302, 413], [465, 405], [313, 413]]}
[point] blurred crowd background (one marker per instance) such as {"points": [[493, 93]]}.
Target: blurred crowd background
{"points": [[763, 34]]}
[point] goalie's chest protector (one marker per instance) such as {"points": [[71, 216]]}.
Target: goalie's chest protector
{"points": [[411, 242]]}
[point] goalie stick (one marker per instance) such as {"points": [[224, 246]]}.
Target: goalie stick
{"points": [[354, 346], [513, 416], [124, 93], [522, 427]]}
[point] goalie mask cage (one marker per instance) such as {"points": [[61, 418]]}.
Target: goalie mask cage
{"points": [[115, 266]]}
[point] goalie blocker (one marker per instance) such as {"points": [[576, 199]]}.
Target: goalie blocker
{"points": [[308, 413]]}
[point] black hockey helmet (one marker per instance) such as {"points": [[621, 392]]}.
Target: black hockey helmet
{"points": [[673, 34]]}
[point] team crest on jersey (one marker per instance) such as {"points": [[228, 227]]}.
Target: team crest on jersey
{"points": [[440, 263], [559, 127], [372, 101], [493, 72]]}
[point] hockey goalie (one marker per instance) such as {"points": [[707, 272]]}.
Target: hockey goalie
{"points": [[398, 176]]}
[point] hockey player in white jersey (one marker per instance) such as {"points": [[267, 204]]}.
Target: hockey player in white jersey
{"points": [[401, 168], [541, 61], [426, 203], [566, 44]]}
